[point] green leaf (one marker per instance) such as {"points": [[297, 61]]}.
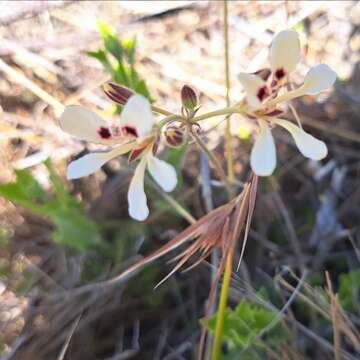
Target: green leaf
{"points": [[142, 89], [129, 46], [73, 229], [245, 323], [349, 290], [25, 191], [101, 56], [175, 156], [121, 75], [111, 41]]}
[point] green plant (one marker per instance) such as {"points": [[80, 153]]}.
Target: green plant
{"points": [[244, 325], [139, 133], [349, 290], [118, 58], [71, 226]]}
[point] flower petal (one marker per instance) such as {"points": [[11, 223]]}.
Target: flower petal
{"points": [[263, 153], [92, 162], [138, 208], [137, 114], [307, 144], [318, 79], [285, 51], [162, 172], [85, 125], [252, 84]]}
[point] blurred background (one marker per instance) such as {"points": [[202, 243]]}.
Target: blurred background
{"points": [[57, 235]]}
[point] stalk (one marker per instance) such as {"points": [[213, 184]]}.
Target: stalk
{"points": [[220, 317], [228, 147], [214, 161], [224, 111]]}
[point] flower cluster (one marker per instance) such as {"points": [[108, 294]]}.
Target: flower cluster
{"points": [[138, 133], [135, 133], [263, 94]]}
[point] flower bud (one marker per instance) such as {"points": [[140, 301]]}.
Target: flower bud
{"points": [[174, 136], [117, 93], [189, 98]]}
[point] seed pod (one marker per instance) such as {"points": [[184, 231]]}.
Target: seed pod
{"points": [[189, 98], [174, 136], [117, 93]]}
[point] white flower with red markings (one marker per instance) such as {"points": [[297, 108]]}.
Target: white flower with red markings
{"points": [[133, 133], [263, 95]]}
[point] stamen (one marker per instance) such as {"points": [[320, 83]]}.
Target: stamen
{"points": [[129, 130], [263, 93], [104, 132]]}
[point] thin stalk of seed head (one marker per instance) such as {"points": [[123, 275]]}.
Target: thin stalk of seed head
{"points": [[213, 159], [225, 287], [228, 147]]}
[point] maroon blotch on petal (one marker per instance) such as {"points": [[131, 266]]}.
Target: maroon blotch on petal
{"points": [[263, 93], [104, 132], [280, 73], [129, 131]]}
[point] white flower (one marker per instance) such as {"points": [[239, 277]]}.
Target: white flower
{"points": [[263, 154], [262, 96], [133, 132], [163, 173]]}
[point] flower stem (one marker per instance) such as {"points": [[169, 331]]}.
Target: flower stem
{"points": [[223, 111], [168, 119], [228, 147], [213, 159], [160, 110], [220, 316]]}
